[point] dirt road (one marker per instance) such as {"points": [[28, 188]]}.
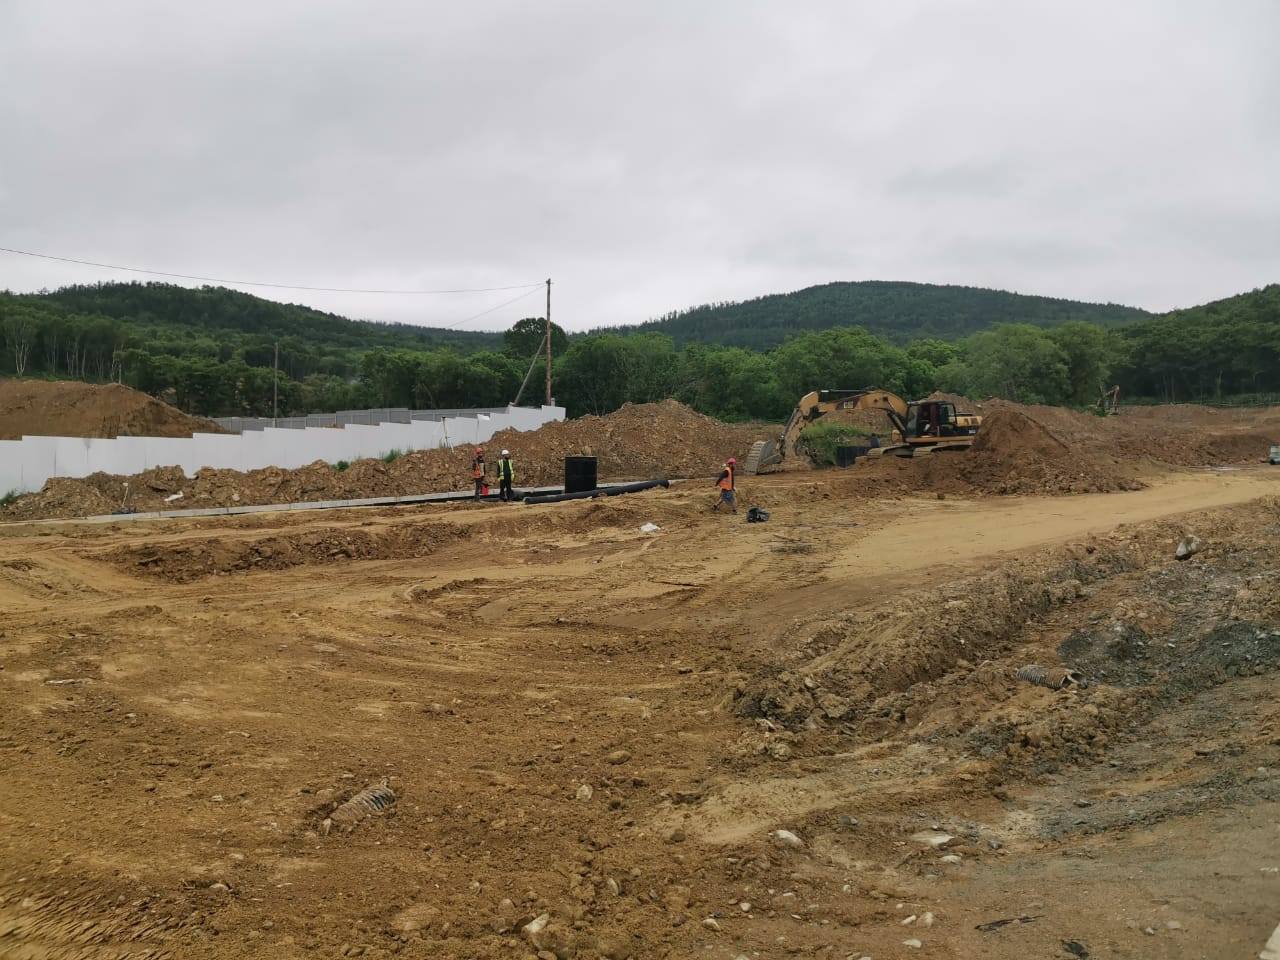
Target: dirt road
{"points": [[604, 726]]}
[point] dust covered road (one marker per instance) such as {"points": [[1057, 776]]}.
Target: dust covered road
{"points": [[602, 727]]}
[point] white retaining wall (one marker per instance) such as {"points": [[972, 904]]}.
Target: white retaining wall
{"points": [[26, 464]]}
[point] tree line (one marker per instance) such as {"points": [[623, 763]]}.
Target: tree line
{"points": [[899, 311], [1222, 349]]}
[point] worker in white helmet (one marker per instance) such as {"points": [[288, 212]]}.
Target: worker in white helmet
{"points": [[506, 476]]}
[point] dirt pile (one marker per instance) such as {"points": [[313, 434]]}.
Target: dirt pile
{"points": [[962, 404], [639, 441], [1039, 450], [69, 408], [1018, 453]]}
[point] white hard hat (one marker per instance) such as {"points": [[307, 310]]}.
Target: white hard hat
{"points": [[506, 453]]}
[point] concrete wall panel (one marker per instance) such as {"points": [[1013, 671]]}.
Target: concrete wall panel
{"points": [[26, 464]]}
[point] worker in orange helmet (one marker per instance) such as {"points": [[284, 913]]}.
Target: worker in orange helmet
{"points": [[724, 483], [477, 472]]}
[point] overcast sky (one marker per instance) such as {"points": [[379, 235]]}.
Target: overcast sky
{"points": [[646, 156]]}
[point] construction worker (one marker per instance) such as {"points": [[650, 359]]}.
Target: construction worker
{"points": [[726, 486], [477, 471], [506, 477]]}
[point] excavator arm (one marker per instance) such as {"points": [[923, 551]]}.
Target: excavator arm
{"points": [[818, 404]]}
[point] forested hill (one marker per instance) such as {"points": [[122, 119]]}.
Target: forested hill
{"points": [[895, 310], [219, 312]]}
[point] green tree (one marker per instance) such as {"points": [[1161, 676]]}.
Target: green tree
{"points": [[529, 334], [847, 358], [1015, 361], [1091, 353]]}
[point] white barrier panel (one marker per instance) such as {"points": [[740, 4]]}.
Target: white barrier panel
{"points": [[288, 447], [71, 457], [365, 442], [26, 464], [39, 457], [221, 451], [168, 452], [108, 456], [133, 454], [394, 436], [321, 444], [427, 434], [11, 467], [460, 430], [255, 453]]}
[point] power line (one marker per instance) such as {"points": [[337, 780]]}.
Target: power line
{"points": [[485, 313], [261, 283]]}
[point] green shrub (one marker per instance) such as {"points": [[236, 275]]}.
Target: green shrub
{"points": [[341, 465], [819, 441], [8, 498], [391, 456]]}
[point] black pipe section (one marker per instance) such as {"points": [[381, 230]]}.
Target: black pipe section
{"points": [[600, 492]]}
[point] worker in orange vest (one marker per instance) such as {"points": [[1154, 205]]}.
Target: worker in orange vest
{"points": [[726, 487], [477, 472]]}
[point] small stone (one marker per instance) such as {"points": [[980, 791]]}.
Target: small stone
{"points": [[618, 756], [913, 943], [932, 838], [908, 921], [744, 906], [676, 836], [535, 926], [1149, 931], [1188, 547], [847, 821], [219, 887], [950, 858], [711, 924], [788, 839], [1173, 925], [585, 792], [926, 920]]}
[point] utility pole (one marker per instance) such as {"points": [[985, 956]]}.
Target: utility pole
{"points": [[275, 387], [548, 341]]}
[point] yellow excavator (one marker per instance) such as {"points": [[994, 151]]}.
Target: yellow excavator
{"points": [[924, 426]]}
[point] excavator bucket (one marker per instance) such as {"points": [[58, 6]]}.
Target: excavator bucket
{"points": [[763, 453]]}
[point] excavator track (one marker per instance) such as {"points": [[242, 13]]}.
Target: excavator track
{"points": [[752, 466]]}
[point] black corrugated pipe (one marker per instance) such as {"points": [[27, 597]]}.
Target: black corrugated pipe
{"points": [[599, 492]]}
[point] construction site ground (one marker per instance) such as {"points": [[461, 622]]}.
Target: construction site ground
{"points": [[593, 733]]}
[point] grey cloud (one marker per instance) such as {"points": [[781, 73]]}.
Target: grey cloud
{"points": [[647, 156]]}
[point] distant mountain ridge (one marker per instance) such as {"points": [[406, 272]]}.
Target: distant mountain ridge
{"points": [[897, 310], [212, 309]]}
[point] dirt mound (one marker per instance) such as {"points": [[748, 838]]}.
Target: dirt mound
{"points": [[639, 441], [61, 497], [69, 408], [962, 404], [1017, 453]]}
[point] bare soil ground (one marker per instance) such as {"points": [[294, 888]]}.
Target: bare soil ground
{"points": [[605, 728], [70, 408]]}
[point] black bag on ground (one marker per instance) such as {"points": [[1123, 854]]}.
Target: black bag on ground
{"points": [[756, 515]]}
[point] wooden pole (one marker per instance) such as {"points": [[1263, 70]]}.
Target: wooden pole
{"points": [[275, 387], [548, 341]]}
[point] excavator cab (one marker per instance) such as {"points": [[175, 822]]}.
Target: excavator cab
{"points": [[931, 418]]}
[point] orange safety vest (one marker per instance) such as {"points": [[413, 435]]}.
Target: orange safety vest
{"points": [[726, 482], [477, 470]]}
